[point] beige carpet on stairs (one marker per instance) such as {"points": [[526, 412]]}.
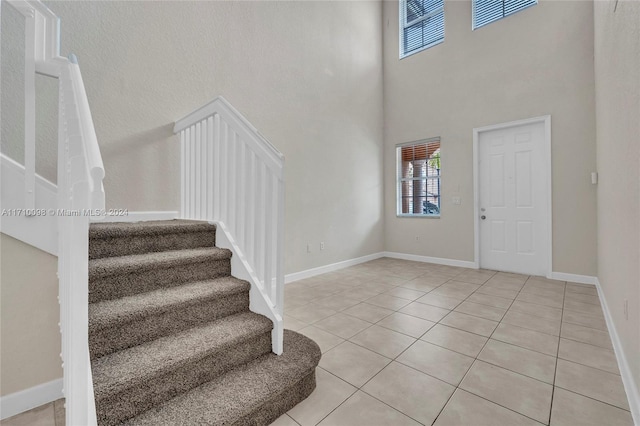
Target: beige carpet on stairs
{"points": [[171, 337]]}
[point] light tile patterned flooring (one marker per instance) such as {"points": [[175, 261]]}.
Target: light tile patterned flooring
{"points": [[51, 414], [408, 343]]}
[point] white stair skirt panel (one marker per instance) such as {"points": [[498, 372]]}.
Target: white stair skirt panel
{"points": [[39, 230]]}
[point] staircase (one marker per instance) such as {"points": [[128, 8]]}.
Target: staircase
{"points": [[154, 328], [171, 337]]}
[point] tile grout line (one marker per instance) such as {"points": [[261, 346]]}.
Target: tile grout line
{"points": [[422, 372], [555, 370], [593, 399], [559, 337], [476, 359], [345, 400], [400, 285], [489, 338], [360, 387], [392, 360]]}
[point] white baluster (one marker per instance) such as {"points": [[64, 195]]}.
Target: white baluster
{"points": [[239, 183], [183, 175], [251, 209], [260, 224], [268, 236], [187, 178], [205, 169], [273, 248], [280, 250], [242, 190], [198, 167], [224, 166], [210, 169], [216, 167], [232, 220], [192, 178]]}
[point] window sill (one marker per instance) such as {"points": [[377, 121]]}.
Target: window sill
{"points": [[419, 216]]}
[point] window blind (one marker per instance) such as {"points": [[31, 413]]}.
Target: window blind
{"points": [[487, 11], [422, 24], [419, 178]]}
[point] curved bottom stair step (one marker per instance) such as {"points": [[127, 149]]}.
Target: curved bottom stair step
{"points": [[256, 393]]}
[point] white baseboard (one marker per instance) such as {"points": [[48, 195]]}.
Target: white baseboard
{"points": [[25, 400], [141, 217], [630, 386], [573, 278], [295, 276], [289, 278], [428, 259]]}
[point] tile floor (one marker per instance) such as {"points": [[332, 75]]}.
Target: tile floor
{"points": [[408, 343]]}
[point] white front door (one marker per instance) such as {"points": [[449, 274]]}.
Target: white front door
{"points": [[513, 199]]}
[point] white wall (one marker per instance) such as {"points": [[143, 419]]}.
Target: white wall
{"points": [[308, 75], [617, 61], [30, 350], [536, 62]]}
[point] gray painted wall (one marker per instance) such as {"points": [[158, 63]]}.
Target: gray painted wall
{"points": [[30, 350], [536, 62], [308, 75]]}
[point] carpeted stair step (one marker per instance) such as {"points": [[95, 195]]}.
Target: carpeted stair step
{"points": [[122, 323], [131, 381], [122, 239], [256, 393], [114, 277]]}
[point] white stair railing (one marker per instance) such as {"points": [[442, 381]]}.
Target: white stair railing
{"points": [[80, 196], [233, 176]]}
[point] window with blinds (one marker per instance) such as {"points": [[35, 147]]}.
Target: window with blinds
{"points": [[419, 178], [487, 11], [421, 25]]}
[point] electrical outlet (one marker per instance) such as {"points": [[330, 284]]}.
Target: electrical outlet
{"points": [[626, 309], [321, 245], [417, 238], [308, 248], [456, 201]]}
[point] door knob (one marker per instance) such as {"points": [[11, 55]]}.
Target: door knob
{"points": [[483, 217]]}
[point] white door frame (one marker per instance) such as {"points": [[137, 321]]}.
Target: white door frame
{"points": [[546, 119]]}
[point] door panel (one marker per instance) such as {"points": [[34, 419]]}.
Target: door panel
{"points": [[513, 180], [498, 236]]}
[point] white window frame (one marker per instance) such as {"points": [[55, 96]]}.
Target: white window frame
{"points": [[400, 179], [404, 24]]}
